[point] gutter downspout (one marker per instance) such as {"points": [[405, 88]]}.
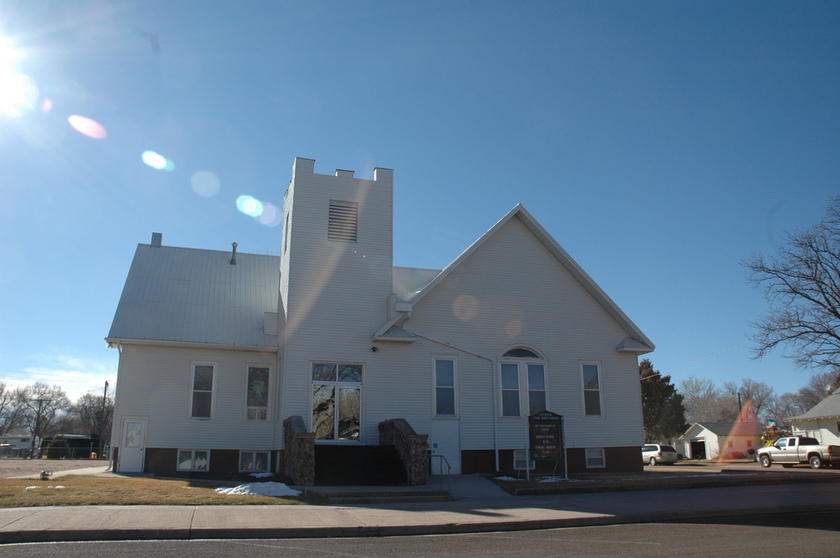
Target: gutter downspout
{"points": [[495, 391]]}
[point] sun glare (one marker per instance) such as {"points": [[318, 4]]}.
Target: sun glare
{"points": [[18, 92]]}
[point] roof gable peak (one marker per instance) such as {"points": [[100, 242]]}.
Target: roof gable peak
{"points": [[642, 343]]}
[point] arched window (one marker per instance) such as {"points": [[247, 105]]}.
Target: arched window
{"points": [[520, 352], [522, 380]]}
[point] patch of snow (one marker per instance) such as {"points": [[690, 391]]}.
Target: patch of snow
{"points": [[261, 475], [505, 478], [261, 489], [31, 487]]}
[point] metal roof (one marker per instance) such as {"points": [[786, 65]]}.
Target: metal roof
{"points": [[188, 295], [827, 408], [408, 281]]}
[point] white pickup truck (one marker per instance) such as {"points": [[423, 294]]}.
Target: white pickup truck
{"points": [[799, 449]]}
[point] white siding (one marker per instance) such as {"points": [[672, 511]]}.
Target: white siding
{"points": [[335, 292], [826, 430], [155, 382], [521, 295], [508, 290]]}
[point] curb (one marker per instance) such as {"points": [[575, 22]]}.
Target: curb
{"points": [[79, 535], [738, 478]]}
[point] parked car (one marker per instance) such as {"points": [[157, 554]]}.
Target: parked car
{"points": [[799, 449], [657, 454]]}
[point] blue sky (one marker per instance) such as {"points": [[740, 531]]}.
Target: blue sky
{"points": [[660, 143]]}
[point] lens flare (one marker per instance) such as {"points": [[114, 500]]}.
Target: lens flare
{"points": [[205, 183], [271, 215], [249, 205], [466, 307], [158, 161], [88, 126]]}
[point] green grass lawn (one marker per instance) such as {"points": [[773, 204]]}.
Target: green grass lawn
{"points": [[76, 490]]}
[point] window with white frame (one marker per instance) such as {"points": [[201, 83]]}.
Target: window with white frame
{"points": [[257, 394], [254, 462], [510, 389], [591, 389], [521, 461], [536, 388], [336, 401], [595, 458], [201, 403], [193, 460], [445, 387], [523, 383]]}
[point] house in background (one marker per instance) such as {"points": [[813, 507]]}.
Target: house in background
{"points": [[719, 440], [225, 355], [822, 421], [17, 442]]}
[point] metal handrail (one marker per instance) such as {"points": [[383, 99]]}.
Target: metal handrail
{"points": [[448, 469]]}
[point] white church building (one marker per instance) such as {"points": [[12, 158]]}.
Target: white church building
{"points": [[223, 352]]}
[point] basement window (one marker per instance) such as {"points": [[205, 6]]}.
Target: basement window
{"points": [[194, 460], [595, 458], [521, 461], [253, 462]]}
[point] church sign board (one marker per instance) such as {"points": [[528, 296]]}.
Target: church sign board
{"points": [[546, 431]]}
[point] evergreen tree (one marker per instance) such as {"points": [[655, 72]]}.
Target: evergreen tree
{"points": [[662, 407]]}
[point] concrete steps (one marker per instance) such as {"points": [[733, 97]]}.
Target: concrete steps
{"points": [[350, 465]]}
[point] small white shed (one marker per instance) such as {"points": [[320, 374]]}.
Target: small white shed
{"points": [[719, 440]]}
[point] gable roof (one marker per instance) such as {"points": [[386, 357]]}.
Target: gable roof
{"points": [[827, 408], [187, 295], [727, 428], [637, 342]]}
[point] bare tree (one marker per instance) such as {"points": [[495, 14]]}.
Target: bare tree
{"points": [[10, 412], [704, 401], [41, 406], [700, 399], [817, 388], [728, 403], [802, 287], [760, 395], [783, 407], [93, 412]]}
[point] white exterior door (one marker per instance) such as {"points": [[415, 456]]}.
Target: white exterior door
{"points": [[133, 447], [445, 440]]}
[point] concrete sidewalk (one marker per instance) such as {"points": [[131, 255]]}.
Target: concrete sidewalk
{"points": [[481, 506]]}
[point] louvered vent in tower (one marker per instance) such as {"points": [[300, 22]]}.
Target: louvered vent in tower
{"points": [[344, 221]]}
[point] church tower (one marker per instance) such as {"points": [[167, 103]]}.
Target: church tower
{"points": [[335, 273]]}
